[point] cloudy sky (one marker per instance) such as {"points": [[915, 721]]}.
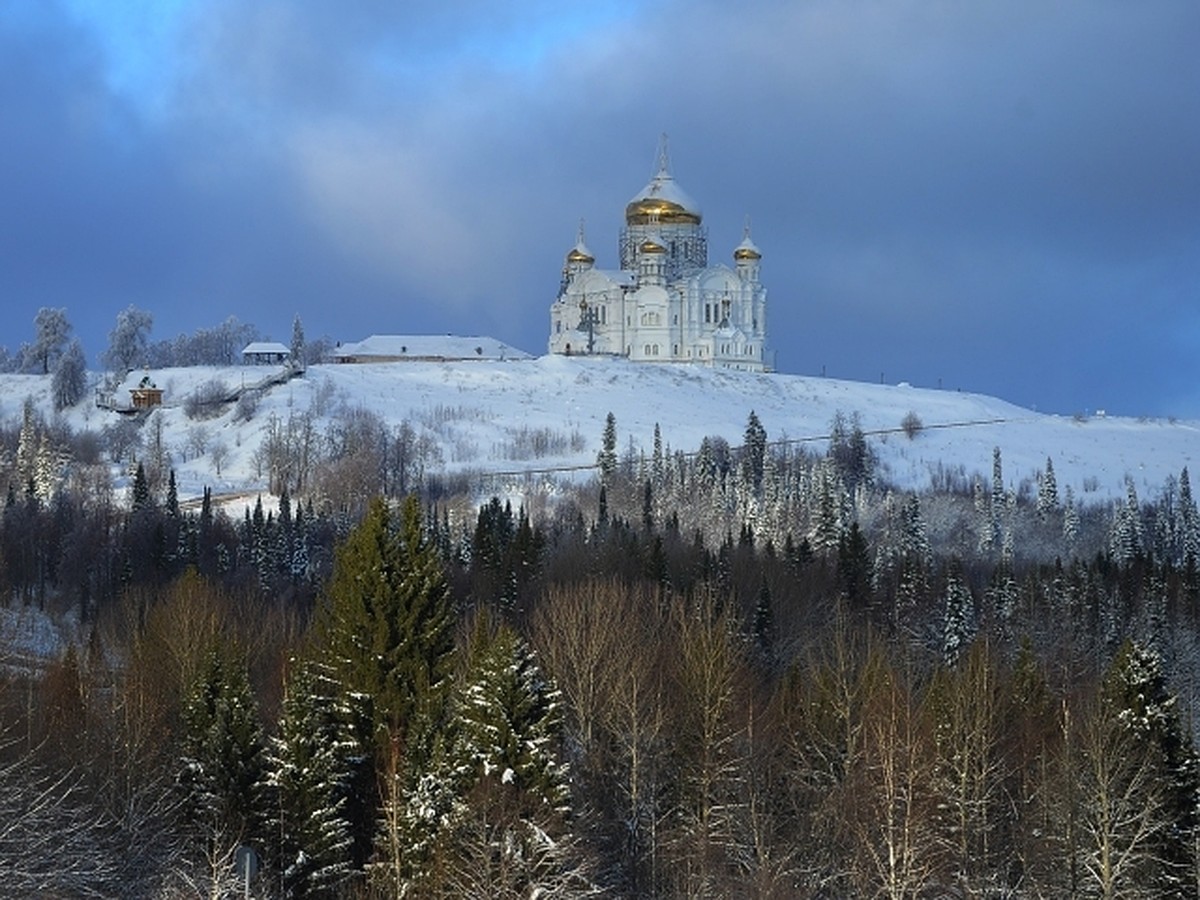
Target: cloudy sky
{"points": [[991, 196]]}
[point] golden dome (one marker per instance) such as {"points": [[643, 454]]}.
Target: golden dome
{"points": [[746, 250], [662, 200], [579, 254], [650, 245], [648, 210]]}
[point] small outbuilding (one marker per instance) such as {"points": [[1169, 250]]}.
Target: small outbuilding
{"points": [[265, 353], [146, 395]]}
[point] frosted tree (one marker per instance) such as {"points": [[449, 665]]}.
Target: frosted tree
{"points": [[311, 768], [51, 333], [958, 618], [27, 442], [127, 342], [607, 457], [1047, 499], [297, 346], [1140, 811], [1125, 531], [827, 506], [755, 450], [70, 376], [488, 817], [1189, 521], [1070, 524]]}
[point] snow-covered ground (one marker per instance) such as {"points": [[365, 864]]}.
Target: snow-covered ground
{"points": [[481, 413]]}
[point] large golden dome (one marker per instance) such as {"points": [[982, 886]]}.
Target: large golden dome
{"points": [[662, 201]]}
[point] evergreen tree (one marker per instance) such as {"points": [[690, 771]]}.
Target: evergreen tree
{"points": [[755, 449], [297, 346], [1189, 521], [385, 627], [1135, 693], [958, 618], [141, 489], [224, 773], [172, 506], [1047, 500], [607, 458], [1070, 526], [493, 812], [311, 771]]}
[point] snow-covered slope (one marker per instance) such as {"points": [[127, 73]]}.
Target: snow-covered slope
{"points": [[485, 415]]}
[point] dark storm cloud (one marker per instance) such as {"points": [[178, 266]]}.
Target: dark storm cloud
{"points": [[1000, 197]]}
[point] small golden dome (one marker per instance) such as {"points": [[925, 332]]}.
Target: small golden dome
{"points": [[742, 253], [650, 245], [579, 255]]}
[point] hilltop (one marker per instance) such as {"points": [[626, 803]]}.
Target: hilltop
{"points": [[548, 413]]}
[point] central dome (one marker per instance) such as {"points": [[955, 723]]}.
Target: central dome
{"points": [[662, 200]]}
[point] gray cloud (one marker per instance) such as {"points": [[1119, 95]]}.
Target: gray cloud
{"points": [[1000, 197]]}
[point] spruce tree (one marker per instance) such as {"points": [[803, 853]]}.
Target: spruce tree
{"points": [[607, 458], [385, 627], [312, 769], [958, 618], [224, 772]]}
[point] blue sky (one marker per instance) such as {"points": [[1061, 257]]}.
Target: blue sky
{"points": [[996, 196]]}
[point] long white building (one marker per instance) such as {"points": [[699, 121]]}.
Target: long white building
{"points": [[664, 303]]}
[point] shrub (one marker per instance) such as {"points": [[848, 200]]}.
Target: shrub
{"points": [[911, 425], [207, 400]]}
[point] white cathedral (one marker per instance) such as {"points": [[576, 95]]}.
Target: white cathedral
{"points": [[665, 303]]}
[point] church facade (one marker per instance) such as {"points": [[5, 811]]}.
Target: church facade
{"points": [[664, 303]]}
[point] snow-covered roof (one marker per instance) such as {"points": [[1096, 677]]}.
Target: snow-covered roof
{"points": [[664, 188], [429, 346], [255, 347]]}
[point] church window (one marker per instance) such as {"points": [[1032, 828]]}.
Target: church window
{"points": [[656, 349], [675, 350], [646, 350], [707, 313]]}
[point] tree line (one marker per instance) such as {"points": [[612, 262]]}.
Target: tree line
{"points": [[743, 671]]}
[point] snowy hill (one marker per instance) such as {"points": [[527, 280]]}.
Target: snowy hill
{"points": [[547, 413]]}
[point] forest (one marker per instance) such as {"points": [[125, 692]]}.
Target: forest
{"points": [[755, 671]]}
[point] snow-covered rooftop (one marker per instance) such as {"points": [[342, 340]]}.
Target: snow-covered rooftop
{"points": [[428, 346], [259, 347]]}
